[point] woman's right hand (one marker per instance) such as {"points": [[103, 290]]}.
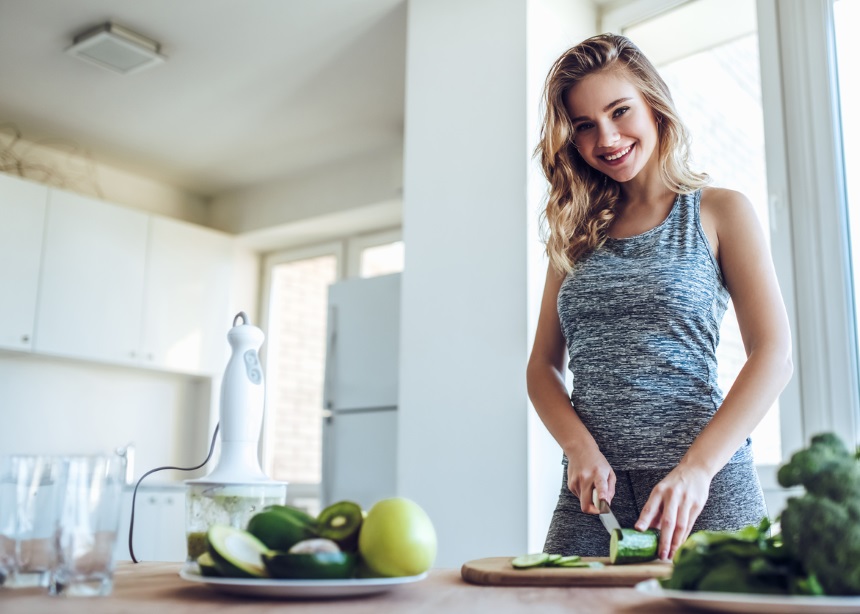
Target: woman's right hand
{"points": [[587, 471]]}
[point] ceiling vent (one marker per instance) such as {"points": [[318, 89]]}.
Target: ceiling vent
{"points": [[117, 49]]}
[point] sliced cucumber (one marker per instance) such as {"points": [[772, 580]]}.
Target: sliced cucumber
{"points": [[542, 559], [236, 553], [632, 546], [527, 561]]}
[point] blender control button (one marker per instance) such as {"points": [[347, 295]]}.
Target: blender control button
{"points": [[254, 375]]}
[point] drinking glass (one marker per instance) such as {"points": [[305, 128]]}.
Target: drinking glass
{"points": [[30, 495], [88, 524]]}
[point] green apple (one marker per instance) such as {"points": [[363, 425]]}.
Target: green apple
{"points": [[397, 538]]}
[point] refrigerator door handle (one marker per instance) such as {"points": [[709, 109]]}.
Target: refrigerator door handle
{"points": [[328, 461], [331, 344]]}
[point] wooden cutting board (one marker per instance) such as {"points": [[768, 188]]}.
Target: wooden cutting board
{"points": [[497, 571]]}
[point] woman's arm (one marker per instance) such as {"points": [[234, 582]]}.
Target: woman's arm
{"points": [[747, 267], [587, 467]]}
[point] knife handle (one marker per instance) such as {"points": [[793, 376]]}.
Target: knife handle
{"points": [[602, 505]]}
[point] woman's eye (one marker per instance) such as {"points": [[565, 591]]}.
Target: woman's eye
{"points": [[620, 111], [582, 127]]}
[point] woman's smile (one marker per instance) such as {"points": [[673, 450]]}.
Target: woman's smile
{"points": [[618, 156]]}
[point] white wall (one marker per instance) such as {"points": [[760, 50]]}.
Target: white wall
{"points": [[362, 181], [553, 27], [463, 416], [75, 171], [55, 406]]}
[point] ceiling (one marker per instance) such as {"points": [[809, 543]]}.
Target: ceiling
{"points": [[252, 91]]}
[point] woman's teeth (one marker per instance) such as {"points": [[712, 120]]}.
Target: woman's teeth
{"points": [[621, 153]]}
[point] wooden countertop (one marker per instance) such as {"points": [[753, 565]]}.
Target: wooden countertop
{"points": [[156, 588]]}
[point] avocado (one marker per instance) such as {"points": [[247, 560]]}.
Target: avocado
{"points": [[301, 516], [207, 565], [279, 527], [316, 566], [236, 553]]}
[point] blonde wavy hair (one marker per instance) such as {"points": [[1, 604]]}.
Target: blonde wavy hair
{"points": [[582, 201]]}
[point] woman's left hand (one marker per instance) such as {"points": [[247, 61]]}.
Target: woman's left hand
{"points": [[673, 507]]}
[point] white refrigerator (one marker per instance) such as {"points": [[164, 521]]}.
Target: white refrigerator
{"points": [[361, 386]]}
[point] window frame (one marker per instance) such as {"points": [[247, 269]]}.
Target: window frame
{"points": [[271, 260], [358, 243]]}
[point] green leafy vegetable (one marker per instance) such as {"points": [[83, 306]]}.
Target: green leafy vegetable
{"points": [[816, 553], [746, 561]]}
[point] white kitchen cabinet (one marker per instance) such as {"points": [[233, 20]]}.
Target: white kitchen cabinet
{"points": [[159, 525], [125, 287], [92, 282], [187, 299], [22, 211]]}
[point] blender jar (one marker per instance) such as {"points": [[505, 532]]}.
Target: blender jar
{"points": [[210, 503]]}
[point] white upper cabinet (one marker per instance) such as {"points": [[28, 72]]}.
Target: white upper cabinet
{"points": [[92, 284], [186, 312], [22, 211]]}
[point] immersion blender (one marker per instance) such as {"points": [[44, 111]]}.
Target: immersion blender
{"points": [[237, 488]]}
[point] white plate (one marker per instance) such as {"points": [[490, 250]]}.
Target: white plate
{"points": [[299, 589], [745, 602]]}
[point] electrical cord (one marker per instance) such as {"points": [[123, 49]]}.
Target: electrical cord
{"points": [[134, 494]]}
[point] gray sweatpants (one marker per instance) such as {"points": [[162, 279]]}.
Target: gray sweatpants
{"points": [[735, 500]]}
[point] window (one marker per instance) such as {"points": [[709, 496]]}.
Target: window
{"points": [[712, 70], [296, 289], [846, 15]]}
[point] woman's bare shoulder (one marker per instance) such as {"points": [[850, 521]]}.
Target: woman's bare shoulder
{"points": [[722, 206], [715, 198]]}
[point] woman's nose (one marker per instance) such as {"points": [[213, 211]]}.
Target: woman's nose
{"points": [[607, 135]]}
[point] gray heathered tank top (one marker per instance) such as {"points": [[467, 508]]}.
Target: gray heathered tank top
{"points": [[641, 316]]}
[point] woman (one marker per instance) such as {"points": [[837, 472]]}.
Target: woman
{"points": [[643, 260]]}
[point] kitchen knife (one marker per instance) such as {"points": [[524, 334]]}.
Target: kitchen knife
{"points": [[606, 516]]}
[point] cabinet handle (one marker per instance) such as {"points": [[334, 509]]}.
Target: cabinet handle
{"points": [[25, 338], [133, 354], [150, 356], [169, 500]]}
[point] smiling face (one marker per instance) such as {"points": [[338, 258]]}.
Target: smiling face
{"points": [[615, 130]]}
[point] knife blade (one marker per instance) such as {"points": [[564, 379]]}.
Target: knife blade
{"points": [[606, 516]]}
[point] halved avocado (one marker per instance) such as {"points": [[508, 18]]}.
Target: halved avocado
{"points": [[207, 565], [279, 527], [316, 566], [341, 522], [236, 553]]}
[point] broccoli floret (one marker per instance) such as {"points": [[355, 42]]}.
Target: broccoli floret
{"points": [[821, 529], [806, 466]]}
